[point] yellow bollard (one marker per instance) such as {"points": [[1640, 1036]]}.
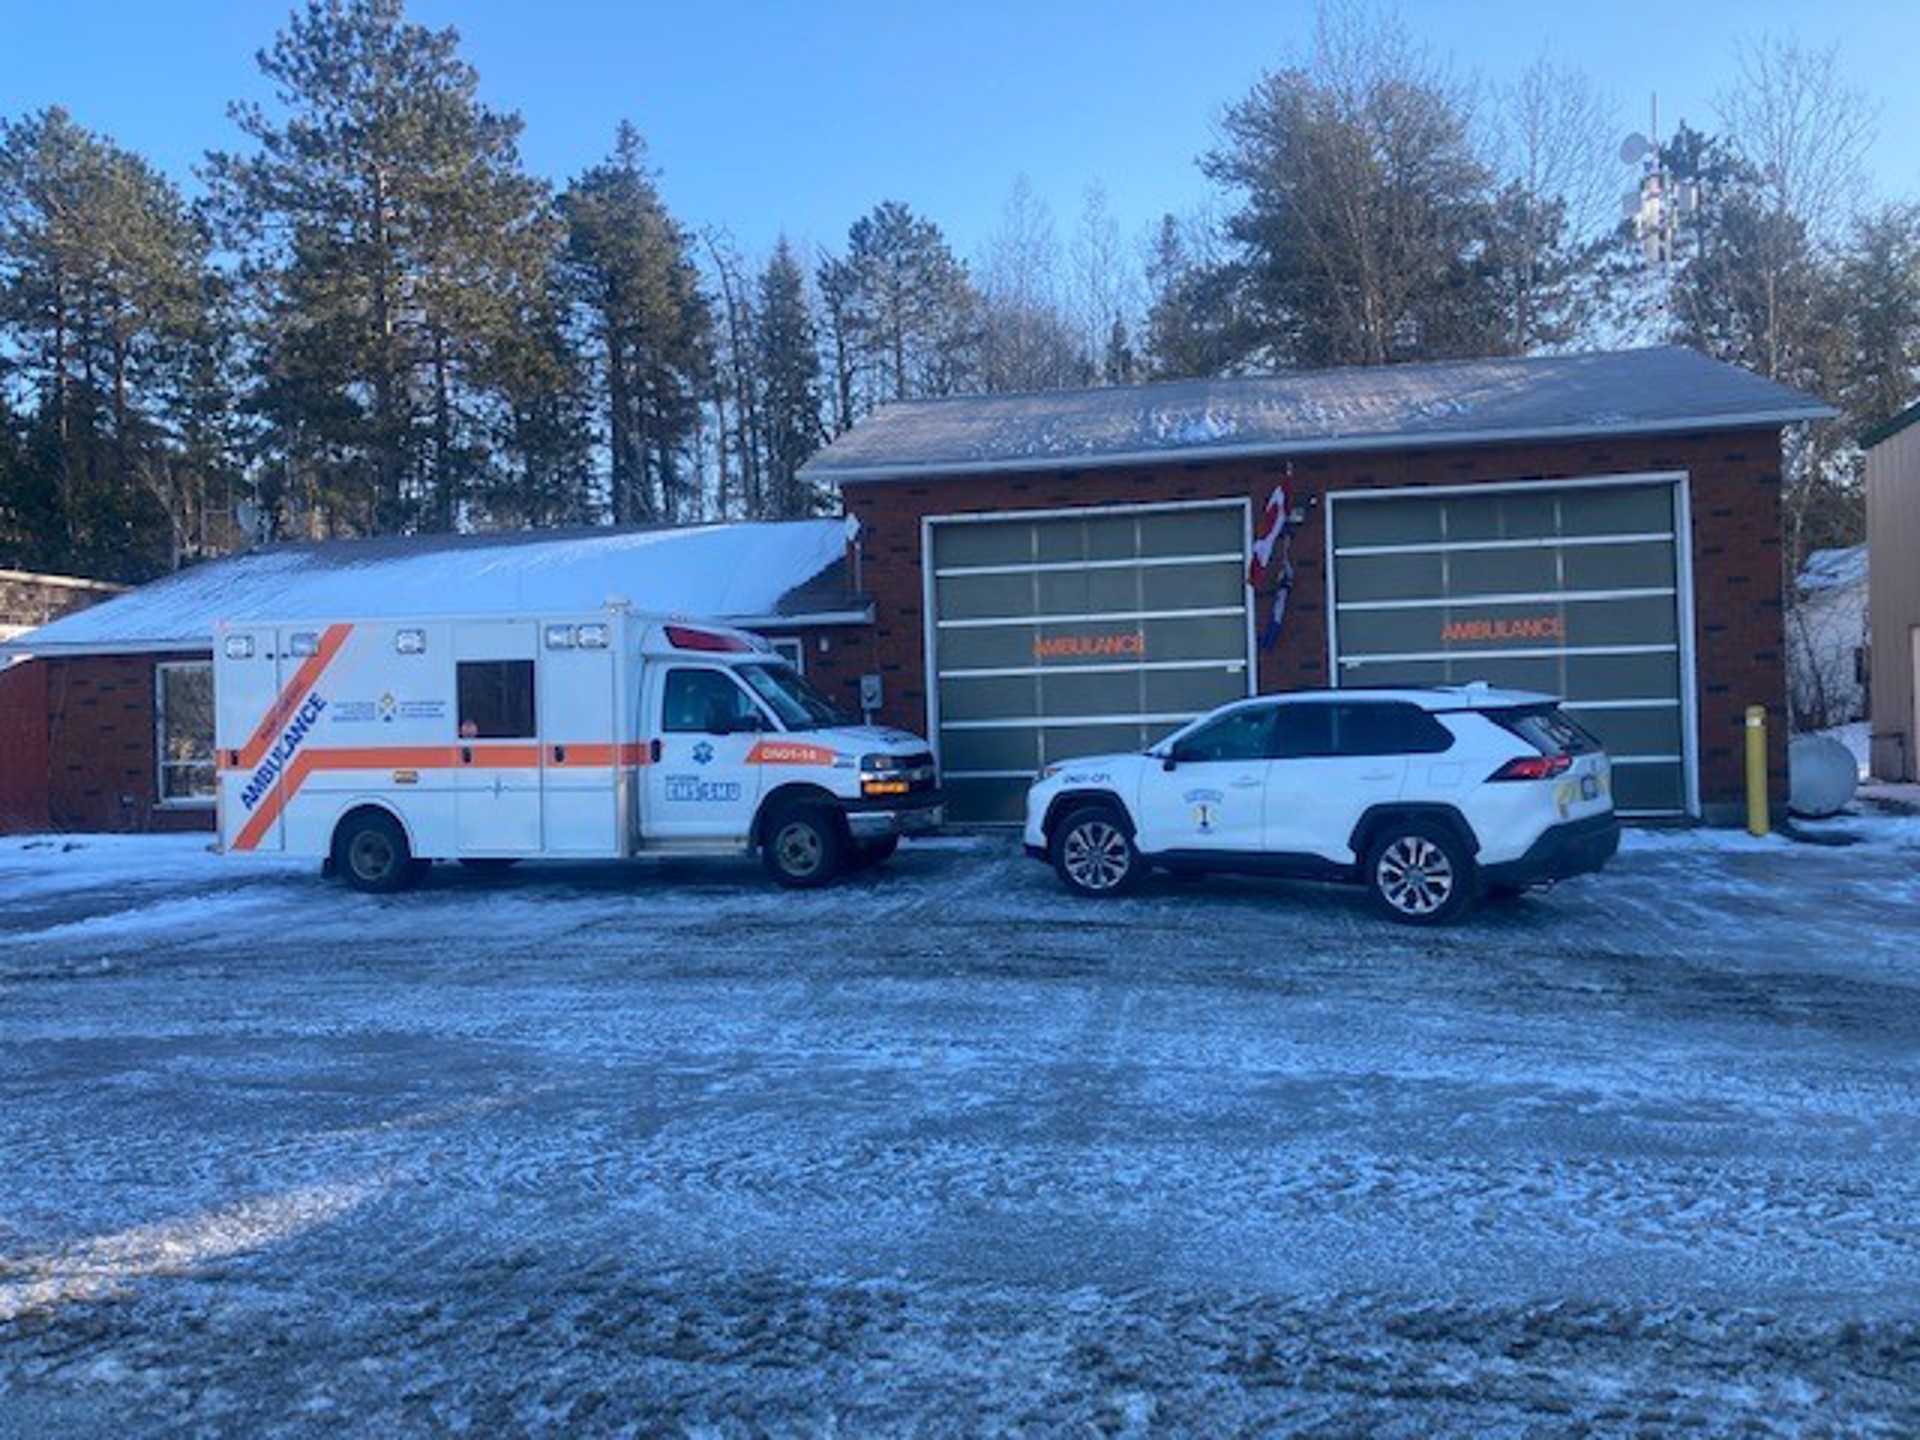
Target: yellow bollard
{"points": [[1756, 769]]}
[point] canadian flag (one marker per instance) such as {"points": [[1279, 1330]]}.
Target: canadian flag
{"points": [[1273, 524]]}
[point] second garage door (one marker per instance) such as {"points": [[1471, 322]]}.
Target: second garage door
{"points": [[1060, 635], [1576, 589]]}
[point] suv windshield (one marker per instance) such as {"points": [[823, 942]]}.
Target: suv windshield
{"points": [[798, 704]]}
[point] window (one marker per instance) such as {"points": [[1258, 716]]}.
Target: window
{"points": [[1547, 729], [798, 704], [183, 732], [1240, 735], [1303, 730], [791, 650], [704, 702], [1319, 729], [1387, 727], [496, 699]]}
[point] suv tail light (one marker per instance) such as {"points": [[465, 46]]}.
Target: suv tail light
{"points": [[1533, 767]]}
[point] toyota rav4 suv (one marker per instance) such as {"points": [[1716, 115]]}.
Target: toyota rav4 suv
{"points": [[1429, 798]]}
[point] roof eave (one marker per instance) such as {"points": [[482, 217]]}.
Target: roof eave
{"points": [[1425, 440]]}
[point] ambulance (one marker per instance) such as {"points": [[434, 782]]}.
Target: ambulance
{"points": [[381, 746]]}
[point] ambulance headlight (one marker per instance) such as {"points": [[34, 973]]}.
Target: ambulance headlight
{"points": [[239, 647], [410, 642], [559, 637], [591, 637], [879, 764], [305, 642]]}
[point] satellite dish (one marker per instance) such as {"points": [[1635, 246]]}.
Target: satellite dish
{"points": [[1635, 148]]}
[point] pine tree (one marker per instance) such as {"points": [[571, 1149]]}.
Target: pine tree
{"points": [[789, 383], [910, 314], [103, 295], [384, 223], [633, 276]]}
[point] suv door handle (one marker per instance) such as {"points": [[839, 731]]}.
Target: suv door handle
{"points": [[1378, 775]]}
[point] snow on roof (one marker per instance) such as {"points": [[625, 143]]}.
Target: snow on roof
{"points": [[1666, 388], [744, 572], [1833, 569]]}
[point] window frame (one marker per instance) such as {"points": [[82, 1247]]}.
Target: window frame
{"points": [[161, 761], [791, 649], [533, 697]]}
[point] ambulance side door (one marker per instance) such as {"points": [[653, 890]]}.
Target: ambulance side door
{"points": [[701, 785], [497, 740], [581, 759]]}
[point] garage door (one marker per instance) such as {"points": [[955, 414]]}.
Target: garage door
{"points": [[1076, 634], [1575, 590]]}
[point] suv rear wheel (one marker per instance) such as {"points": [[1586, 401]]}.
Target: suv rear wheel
{"points": [[1419, 872], [1094, 855]]}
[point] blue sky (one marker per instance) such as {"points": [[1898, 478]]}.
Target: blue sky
{"points": [[798, 117]]}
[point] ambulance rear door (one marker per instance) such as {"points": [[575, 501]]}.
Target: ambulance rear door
{"points": [[246, 696]]}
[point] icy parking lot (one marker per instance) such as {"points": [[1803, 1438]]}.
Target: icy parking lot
{"points": [[601, 1151]]}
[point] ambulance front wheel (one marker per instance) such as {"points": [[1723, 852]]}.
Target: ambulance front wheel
{"points": [[370, 850], [802, 845]]}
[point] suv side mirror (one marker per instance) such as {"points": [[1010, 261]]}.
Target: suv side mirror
{"points": [[1170, 757]]}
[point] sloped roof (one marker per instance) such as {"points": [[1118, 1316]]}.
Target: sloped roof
{"points": [[1649, 391], [745, 573]]}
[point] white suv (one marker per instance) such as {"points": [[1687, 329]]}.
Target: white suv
{"points": [[1427, 797]]}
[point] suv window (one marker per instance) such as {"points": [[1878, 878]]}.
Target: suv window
{"points": [[1242, 735], [698, 701], [1547, 729], [1309, 729], [1303, 730], [1388, 727]]}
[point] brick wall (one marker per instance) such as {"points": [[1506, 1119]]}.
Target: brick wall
{"points": [[28, 599], [1735, 485], [23, 747], [101, 773]]}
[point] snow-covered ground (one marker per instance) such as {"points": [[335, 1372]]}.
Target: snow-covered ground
{"points": [[593, 1151]]}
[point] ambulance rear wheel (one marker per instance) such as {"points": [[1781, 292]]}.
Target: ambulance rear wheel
{"points": [[371, 852], [802, 846]]}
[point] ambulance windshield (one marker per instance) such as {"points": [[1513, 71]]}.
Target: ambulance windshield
{"points": [[798, 704]]}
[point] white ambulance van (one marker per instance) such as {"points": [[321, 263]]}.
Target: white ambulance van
{"points": [[380, 746]]}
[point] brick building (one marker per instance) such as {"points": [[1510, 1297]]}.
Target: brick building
{"points": [[1036, 576], [111, 711], [1065, 573], [29, 599]]}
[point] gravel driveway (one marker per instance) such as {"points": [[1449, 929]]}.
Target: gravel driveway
{"points": [[596, 1151]]}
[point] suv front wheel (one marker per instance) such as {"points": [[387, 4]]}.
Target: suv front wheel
{"points": [[1094, 855], [1419, 872]]}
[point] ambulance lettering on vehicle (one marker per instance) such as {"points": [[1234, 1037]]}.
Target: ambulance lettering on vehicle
{"points": [[282, 752], [546, 735]]}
